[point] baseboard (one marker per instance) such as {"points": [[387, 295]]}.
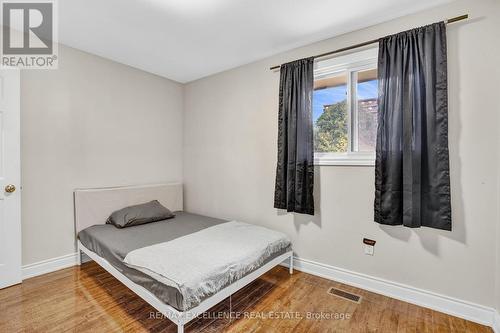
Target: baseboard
{"points": [[466, 310], [49, 265], [496, 323]]}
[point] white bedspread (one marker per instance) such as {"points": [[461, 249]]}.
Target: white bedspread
{"points": [[202, 263]]}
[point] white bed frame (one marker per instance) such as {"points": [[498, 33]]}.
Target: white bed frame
{"points": [[93, 206]]}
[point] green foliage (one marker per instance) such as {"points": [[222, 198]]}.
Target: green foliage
{"points": [[330, 130]]}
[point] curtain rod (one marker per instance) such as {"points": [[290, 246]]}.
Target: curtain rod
{"points": [[373, 41]]}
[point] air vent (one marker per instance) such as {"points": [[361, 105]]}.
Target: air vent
{"points": [[344, 295]]}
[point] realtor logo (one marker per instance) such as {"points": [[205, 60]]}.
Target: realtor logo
{"points": [[29, 34]]}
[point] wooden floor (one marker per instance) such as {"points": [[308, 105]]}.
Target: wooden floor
{"points": [[88, 299]]}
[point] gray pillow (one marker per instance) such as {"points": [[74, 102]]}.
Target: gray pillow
{"points": [[139, 214]]}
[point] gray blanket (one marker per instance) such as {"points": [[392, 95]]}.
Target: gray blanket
{"points": [[203, 263], [114, 244]]}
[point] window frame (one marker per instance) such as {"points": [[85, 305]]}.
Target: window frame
{"points": [[349, 65]]}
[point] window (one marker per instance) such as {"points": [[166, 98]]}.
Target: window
{"points": [[345, 109]]}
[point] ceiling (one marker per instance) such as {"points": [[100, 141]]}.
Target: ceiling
{"points": [[185, 40]]}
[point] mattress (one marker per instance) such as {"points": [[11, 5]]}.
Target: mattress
{"points": [[114, 244]]}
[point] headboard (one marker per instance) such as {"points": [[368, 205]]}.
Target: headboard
{"points": [[93, 206]]}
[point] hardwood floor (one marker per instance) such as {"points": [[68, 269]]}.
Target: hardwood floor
{"points": [[88, 299]]}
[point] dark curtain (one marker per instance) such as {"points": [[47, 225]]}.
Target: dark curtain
{"points": [[295, 168], [412, 177]]}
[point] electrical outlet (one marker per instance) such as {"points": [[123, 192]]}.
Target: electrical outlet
{"points": [[369, 246]]}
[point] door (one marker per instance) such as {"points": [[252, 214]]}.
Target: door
{"points": [[10, 176]]}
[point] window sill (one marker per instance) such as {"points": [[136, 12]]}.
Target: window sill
{"points": [[360, 159]]}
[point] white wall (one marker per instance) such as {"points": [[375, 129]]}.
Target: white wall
{"points": [[91, 123], [230, 131]]}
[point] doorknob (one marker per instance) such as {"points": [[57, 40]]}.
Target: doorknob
{"points": [[10, 188]]}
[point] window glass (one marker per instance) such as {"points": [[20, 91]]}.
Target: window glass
{"points": [[367, 93], [330, 114]]}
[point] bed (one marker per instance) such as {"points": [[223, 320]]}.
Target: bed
{"points": [[111, 248]]}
